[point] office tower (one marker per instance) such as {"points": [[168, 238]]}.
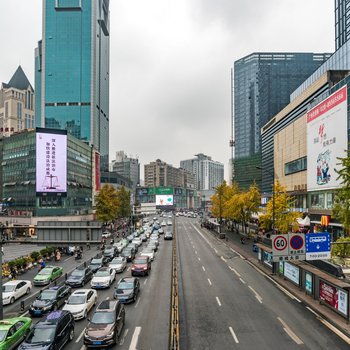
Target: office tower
{"points": [[262, 84], [16, 104], [208, 173], [127, 167], [72, 71], [342, 23]]}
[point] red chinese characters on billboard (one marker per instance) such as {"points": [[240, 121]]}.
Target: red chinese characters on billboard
{"points": [[97, 171], [329, 294]]}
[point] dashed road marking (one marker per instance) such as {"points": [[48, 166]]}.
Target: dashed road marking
{"points": [[124, 336], [80, 336], [138, 301], [199, 259], [203, 268], [257, 296], [145, 281], [209, 281], [223, 259], [218, 301], [290, 332], [135, 338], [242, 280], [235, 271], [233, 335]]}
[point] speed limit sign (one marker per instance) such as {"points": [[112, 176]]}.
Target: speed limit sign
{"points": [[279, 247]]}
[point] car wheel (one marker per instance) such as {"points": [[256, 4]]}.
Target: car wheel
{"points": [[71, 334], [134, 298], [12, 300], [55, 307], [95, 301], [28, 291]]}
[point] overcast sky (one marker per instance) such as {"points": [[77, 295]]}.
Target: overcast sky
{"points": [[171, 61]]}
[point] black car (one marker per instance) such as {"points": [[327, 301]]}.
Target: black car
{"points": [[49, 300], [127, 290], [168, 235], [109, 253], [79, 277], [97, 262], [128, 253], [106, 324], [53, 331]]}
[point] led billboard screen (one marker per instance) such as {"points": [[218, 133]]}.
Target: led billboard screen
{"points": [[51, 161], [164, 199]]}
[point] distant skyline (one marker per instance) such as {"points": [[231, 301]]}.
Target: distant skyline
{"points": [[170, 64]]}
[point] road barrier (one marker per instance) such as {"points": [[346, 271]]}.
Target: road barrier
{"points": [[174, 338]]}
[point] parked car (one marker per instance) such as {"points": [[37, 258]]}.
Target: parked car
{"points": [[148, 252], [49, 300], [118, 264], [141, 266], [53, 331], [127, 290], [106, 234], [81, 302], [13, 290], [103, 278], [106, 324], [13, 331], [79, 277], [47, 275], [97, 262]]}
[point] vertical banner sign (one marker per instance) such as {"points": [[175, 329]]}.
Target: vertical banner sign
{"points": [[51, 162], [327, 139]]}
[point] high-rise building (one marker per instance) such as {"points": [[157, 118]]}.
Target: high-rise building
{"points": [[342, 24], [16, 104], [208, 173], [262, 84], [72, 71], [159, 173], [127, 167]]}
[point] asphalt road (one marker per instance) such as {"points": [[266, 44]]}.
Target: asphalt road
{"points": [[225, 303]]}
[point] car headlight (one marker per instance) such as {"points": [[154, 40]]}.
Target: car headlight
{"points": [[110, 335], [46, 308]]}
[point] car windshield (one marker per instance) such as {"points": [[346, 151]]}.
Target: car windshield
{"points": [[8, 288], [2, 335], [41, 335], [47, 295], [96, 262], [117, 261], [147, 250], [125, 285], [140, 261], [76, 299], [102, 318], [78, 273], [45, 272], [102, 273]]}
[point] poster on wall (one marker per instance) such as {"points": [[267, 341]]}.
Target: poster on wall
{"points": [[334, 297], [51, 161], [308, 282], [291, 272], [326, 140]]}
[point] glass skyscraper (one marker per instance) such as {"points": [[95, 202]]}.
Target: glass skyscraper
{"points": [[72, 71], [262, 84], [342, 22]]}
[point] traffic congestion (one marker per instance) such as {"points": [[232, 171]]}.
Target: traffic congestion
{"points": [[92, 301]]}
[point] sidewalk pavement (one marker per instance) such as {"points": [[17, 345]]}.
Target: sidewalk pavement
{"points": [[246, 250]]}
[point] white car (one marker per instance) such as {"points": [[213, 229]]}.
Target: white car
{"points": [[169, 223], [118, 264], [148, 252], [103, 278], [160, 231], [137, 241], [13, 290], [163, 223], [119, 246], [80, 302]]}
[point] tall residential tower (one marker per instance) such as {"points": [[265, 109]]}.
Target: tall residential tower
{"points": [[72, 71]]}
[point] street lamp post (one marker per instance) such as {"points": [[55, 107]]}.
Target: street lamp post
{"points": [[219, 192], [272, 174]]}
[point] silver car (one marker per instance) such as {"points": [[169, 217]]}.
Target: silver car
{"points": [[118, 264]]}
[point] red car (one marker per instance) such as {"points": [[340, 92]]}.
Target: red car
{"points": [[141, 266]]}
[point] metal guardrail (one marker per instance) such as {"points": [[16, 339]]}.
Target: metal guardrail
{"points": [[174, 339]]}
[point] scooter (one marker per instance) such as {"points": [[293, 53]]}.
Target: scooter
{"points": [[78, 255]]}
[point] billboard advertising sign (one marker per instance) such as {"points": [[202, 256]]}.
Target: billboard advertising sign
{"points": [[164, 200], [337, 298], [291, 272], [51, 161], [326, 140]]}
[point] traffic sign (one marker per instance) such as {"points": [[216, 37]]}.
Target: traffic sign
{"points": [[279, 247], [318, 246], [296, 246]]}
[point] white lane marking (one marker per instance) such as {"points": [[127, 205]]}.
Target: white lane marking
{"points": [[195, 251], [145, 281], [256, 294], [209, 281], [124, 336], [223, 259], [242, 280], [233, 335], [193, 246], [232, 250], [312, 311], [215, 250], [135, 338], [128, 269], [199, 259], [203, 268], [138, 301], [210, 245], [235, 271], [26, 313], [107, 298], [80, 336], [83, 347], [68, 259], [218, 300], [290, 332], [335, 330], [285, 291]]}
